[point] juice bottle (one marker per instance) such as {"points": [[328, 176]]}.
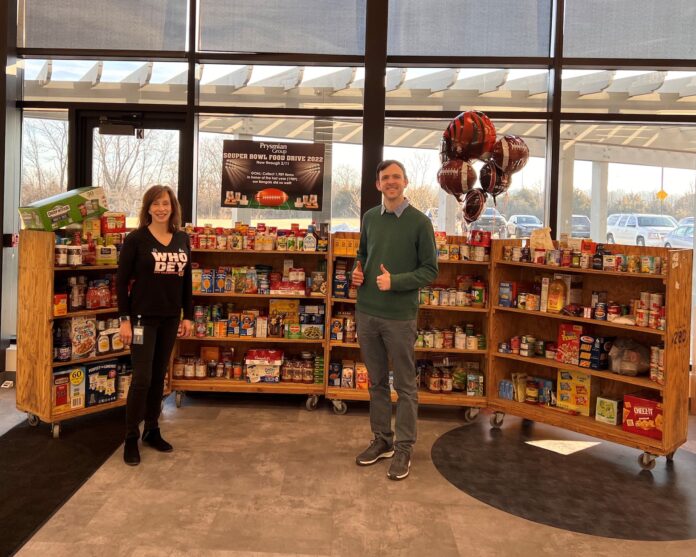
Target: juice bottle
{"points": [[557, 296]]}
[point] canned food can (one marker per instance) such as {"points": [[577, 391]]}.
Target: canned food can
{"points": [[540, 256], [459, 340], [600, 311], [464, 252], [504, 348], [575, 259], [553, 257], [481, 340], [539, 347], [515, 344], [526, 254], [479, 253], [435, 296], [425, 296], [613, 311], [471, 342], [452, 296], [585, 260], [469, 329], [647, 264], [419, 340], [566, 257], [657, 300], [516, 253], [633, 263], [587, 312], [645, 300], [658, 265], [438, 339], [428, 339], [448, 339], [444, 297], [522, 300], [462, 298], [454, 252], [653, 319], [642, 317]]}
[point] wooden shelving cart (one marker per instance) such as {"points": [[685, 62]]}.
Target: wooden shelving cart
{"points": [[35, 321], [434, 316], [674, 283], [210, 258]]}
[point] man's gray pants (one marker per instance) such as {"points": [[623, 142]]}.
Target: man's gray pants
{"points": [[382, 340]]}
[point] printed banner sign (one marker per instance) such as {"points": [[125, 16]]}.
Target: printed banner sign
{"points": [[272, 175]]}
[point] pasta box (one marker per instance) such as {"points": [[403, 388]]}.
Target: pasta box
{"points": [[57, 211], [643, 415]]}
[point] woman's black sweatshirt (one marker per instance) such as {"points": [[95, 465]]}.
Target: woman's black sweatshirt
{"points": [[161, 276]]}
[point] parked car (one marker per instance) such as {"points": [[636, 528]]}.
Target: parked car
{"points": [[521, 226], [580, 226], [639, 229], [492, 221], [686, 220], [681, 237]]}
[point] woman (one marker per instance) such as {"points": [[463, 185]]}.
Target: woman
{"points": [[155, 263]]}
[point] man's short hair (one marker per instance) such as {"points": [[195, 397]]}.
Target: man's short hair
{"points": [[384, 164]]}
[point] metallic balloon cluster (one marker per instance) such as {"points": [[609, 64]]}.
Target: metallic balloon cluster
{"points": [[470, 136]]}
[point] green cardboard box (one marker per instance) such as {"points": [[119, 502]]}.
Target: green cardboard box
{"points": [[63, 209]]}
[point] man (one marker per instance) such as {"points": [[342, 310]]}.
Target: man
{"points": [[396, 257]]}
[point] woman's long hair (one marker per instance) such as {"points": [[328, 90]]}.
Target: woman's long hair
{"points": [[149, 198]]}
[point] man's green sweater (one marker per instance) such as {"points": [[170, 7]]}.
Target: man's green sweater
{"points": [[405, 245]]}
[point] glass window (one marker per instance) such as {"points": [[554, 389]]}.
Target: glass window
{"points": [[342, 139], [449, 89], [281, 86], [463, 28], [629, 92], [126, 166], [103, 24], [416, 143], [302, 26], [105, 81], [613, 172], [44, 154], [629, 29]]}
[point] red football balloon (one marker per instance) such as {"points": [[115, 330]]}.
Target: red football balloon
{"points": [[510, 153], [447, 151], [456, 177], [474, 203], [493, 180], [472, 135], [271, 197]]}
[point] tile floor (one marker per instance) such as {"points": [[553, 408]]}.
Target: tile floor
{"points": [[264, 477]]}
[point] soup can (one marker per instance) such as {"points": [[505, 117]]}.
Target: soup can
{"points": [[471, 342], [425, 296], [438, 339], [657, 300], [460, 340], [428, 339], [642, 317], [653, 319]]}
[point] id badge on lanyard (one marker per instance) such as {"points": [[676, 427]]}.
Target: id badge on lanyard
{"points": [[138, 333]]}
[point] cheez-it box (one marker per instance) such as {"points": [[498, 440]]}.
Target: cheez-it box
{"points": [[643, 415]]}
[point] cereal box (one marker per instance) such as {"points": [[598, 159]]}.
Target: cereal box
{"points": [[577, 391], [348, 374], [334, 374], [609, 411], [83, 334], [642, 414], [568, 351]]}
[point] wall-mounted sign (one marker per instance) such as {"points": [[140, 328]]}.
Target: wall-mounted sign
{"points": [[272, 175]]}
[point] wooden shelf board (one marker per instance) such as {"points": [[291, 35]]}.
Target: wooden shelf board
{"points": [[424, 397], [109, 356], [236, 386], [257, 340], [86, 312], [546, 362], [59, 417], [465, 309], [86, 268], [595, 322], [262, 296], [463, 262], [259, 252], [586, 425], [343, 300], [551, 268], [419, 350]]}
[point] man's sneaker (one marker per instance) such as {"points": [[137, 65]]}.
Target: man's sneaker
{"points": [[400, 466], [379, 448]]}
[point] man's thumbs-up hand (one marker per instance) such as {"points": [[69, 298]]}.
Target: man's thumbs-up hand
{"points": [[384, 280]]}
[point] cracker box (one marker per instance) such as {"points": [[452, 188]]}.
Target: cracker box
{"points": [[68, 389], [361, 377], [62, 209], [101, 382], [642, 414], [609, 411], [576, 391], [568, 351]]}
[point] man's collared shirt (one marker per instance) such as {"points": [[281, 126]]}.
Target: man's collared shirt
{"points": [[400, 209]]}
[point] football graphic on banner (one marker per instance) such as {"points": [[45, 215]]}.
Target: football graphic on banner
{"points": [[271, 197]]}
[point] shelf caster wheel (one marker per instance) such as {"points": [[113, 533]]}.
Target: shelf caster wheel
{"points": [[312, 403], [55, 430], [647, 461], [33, 420], [497, 419], [670, 456], [470, 415], [178, 397], [339, 407]]}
